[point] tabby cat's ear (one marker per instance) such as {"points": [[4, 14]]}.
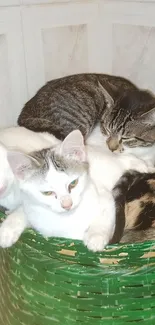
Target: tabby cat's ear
{"points": [[73, 146], [21, 164], [149, 117], [149, 134], [146, 123], [106, 93]]}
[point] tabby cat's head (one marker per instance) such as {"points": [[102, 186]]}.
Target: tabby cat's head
{"points": [[55, 177], [129, 120]]}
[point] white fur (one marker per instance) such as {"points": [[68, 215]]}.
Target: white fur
{"points": [[9, 188], [20, 138], [69, 224], [57, 182], [106, 168], [17, 138], [92, 216], [146, 153], [12, 228]]}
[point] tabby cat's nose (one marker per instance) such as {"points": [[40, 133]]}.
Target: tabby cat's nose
{"points": [[113, 143]]}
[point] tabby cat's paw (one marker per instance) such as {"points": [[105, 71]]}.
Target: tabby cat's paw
{"points": [[9, 235], [95, 241]]}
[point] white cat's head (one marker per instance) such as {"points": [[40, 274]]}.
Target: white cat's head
{"points": [[55, 177], [6, 175]]}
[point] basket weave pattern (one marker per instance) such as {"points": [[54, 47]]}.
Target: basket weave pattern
{"points": [[57, 281]]}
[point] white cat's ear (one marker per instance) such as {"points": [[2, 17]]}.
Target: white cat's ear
{"points": [[73, 146], [21, 164]]}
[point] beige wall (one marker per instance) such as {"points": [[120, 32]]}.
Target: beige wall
{"points": [[45, 39]]}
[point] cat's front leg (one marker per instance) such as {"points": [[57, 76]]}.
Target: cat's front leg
{"points": [[100, 232], [130, 161], [12, 228]]}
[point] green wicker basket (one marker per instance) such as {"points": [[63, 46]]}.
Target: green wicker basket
{"points": [[57, 281]]}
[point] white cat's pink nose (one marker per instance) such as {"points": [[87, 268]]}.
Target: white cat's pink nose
{"points": [[66, 203]]}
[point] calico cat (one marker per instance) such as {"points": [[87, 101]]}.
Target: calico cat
{"points": [[124, 112], [66, 192], [134, 197]]}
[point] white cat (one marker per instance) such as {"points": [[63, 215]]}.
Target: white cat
{"points": [[17, 138], [20, 138], [61, 198]]}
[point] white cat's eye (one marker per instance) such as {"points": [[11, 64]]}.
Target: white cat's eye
{"points": [[48, 193], [72, 184]]}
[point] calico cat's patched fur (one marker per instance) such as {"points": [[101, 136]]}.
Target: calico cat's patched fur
{"points": [[62, 197], [124, 112], [135, 206]]}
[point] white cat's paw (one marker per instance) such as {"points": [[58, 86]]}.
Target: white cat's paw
{"points": [[136, 164], [95, 241], [139, 166], [9, 235]]}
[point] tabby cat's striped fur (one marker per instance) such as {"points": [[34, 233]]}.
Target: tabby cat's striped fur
{"points": [[125, 113]]}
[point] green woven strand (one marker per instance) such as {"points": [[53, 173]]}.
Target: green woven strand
{"points": [[59, 282]]}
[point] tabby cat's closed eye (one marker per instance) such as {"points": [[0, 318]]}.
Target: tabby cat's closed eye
{"points": [[124, 138], [72, 185]]}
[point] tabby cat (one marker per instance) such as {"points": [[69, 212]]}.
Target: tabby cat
{"points": [[124, 112]]}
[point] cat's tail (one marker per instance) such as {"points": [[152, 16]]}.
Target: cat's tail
{"points": [[119, 193]]}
